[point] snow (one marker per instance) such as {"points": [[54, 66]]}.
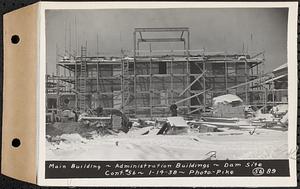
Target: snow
{"points": [[230, 144], [280, 109], [226, 99], [135, 124], [72, 138], [284, 120], [259, 116], [177, 121]]}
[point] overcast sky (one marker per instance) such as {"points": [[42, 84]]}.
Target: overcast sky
{"points": [[212, 29]]}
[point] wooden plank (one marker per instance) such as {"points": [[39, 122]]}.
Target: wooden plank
{"points": [[195, 110], [180, 101], [177, 122], [246, 83], [191, 84]]}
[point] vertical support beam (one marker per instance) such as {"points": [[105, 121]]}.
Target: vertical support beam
{"points": [[69, 84], [188, 42], [172, 80], [134, 44], [184, 46], [134, 73], [188, 80], [273, 91], [138, 48], [97, 88], [251, 90], [265, 100], [204, 84], [226, 75], [75, 84], [273, 96], [135, 87], [57, 81], [236, 75], [263, 64], [122, 85], [150, 87], [246, 80], [188, 67]]}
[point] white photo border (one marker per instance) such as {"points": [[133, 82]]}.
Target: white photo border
{"points": [[171, 181]]}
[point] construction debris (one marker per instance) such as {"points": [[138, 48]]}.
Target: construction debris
{"points": [[174, 125], [228, 105], [279, 110], [285, 120]]}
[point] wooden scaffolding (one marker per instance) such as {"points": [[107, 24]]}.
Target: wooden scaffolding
{"points": [[147, 82]]}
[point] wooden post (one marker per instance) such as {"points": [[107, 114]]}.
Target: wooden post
{"points": [[235, 67], [122, 85], [226, 75], [97, 88], [75, 83], [188, 66], [188, 42], [246, 80], [265, 100], [138, 48], [273, 92], [134, 73], [204, 81], [172, 80], [57, 82], [150, 86]]}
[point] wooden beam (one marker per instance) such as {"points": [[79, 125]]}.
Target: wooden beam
{"points": [[180, 101], [191, 84], [257, 54], [181, 34], [161, 40], [175, 29], [141, 35], [201, 70], [246, 83], [197, 109]]}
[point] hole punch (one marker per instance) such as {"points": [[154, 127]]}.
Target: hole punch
{"points": [[16, 142], [15, 39]]}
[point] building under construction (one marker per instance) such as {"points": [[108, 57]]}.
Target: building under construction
{"points": [[145, 82]]}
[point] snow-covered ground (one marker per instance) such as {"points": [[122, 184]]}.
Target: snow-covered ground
{"points": [[230, 144]]}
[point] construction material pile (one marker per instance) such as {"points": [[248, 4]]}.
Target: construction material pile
{"points": [[87, 125], [183, 140], [234, 131], [228, 105]]}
